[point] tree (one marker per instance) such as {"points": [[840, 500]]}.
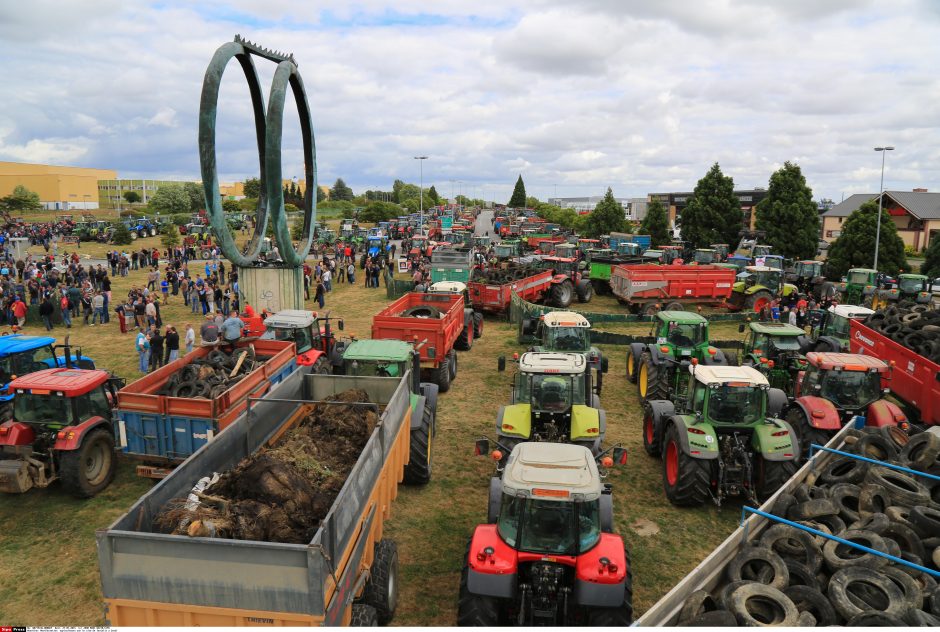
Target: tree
{"points": [[170, 237], [340, 191], [855, 246], [379, 212], [321, 196], [788, 215], [531, 202], [231, 206], [713, 215], [607, 217], [396, 191], [121, 236], [931, 264], [170, 199], [22, 199], [252, 188], [432, 193], [197, 198], [518, 195], [132, 197], [656, 224]]}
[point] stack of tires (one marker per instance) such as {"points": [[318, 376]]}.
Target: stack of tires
{"points": [[916, 327], [209, 377], [499, 276], [790, 577]]}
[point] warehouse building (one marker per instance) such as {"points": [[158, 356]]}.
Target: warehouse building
{"points": [[59, 188], [676, 202], [634, 208]]}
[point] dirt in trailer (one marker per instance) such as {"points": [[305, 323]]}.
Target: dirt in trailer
{"points": [[281, 493]]}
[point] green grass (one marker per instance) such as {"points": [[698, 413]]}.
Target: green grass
{"points": [[47, 544]]}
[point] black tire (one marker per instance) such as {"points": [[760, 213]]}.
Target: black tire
{"points": [[475, 610], [90, 468], [421, 461], [793, 543], [806, 434], [871, 587], [926, 520], [465, 339], [875, 619], [632, 365], [620, 616], [381, 591], [561, 294], [772, 475], [477, 325], [453, 365], [495, 500], [652, 440], [913, 592], [442, 375], [759, 563], [921, 451], [657, 384], [839, 556], [810, 600], [713, 619], [844, 470], [758, 605], [364, 616], [585, 291], [846, 497], [322, 366], [695, 605], [686, 480], [421, 311], [875, 446], [902, 489]]}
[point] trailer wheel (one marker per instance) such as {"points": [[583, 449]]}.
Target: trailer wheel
{"points": [[475, 610], [686, 480], [619, 616], [560, 294], [453, 365], [381, 591], [771, 475], [364, 616], [420, 461], [477, 324], [585, 291], [442, 375], [89, 469], [601, 287], [465, 340]]}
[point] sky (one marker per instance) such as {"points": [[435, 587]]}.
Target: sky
{"points": [[640, 96]]}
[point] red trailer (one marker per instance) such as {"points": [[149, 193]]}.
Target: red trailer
{"points": [[914, 378], [437, 324], [495, 299], [648, 288]]}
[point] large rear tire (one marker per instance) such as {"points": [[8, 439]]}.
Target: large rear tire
{"points": [[652, 440], [758, 301], [465, 339], [477, 324], [381, 591], [474, 610], [561, 294], [322, 366], [364, 616], [620, 616], [653, 380], [632, 366], [442, 375], [585, 291], [686, 480], [805, 433], [90, 468], [772, 475], [421, 460]]}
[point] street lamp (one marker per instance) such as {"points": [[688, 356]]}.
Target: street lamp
{"points": [[881, 194], [421, 160]]}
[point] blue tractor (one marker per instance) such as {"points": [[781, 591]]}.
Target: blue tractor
{"points": [[375, 245], [141, 227], [20, 355]]}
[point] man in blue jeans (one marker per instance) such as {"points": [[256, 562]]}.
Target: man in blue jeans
{"points": [[142, 345]]}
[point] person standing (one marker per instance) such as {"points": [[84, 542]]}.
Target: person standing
{"points": [[165, 290], [351, 273], [66, 310], [190, 338], [232, 328], [142, 344], [156, 349], [46, 310], [19, 311], [319, 295], [97, 304], [172, 343], [325, 278], [151, 312]]}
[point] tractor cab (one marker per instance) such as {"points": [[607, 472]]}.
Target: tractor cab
{"points": [[672, 255], [831, 329], [588, 244], [629, 249], [760, 250], [61, 430], [375, 245], [566, 332], [771, 261], [553, 399], [705, 256], [481, 241], [808, 270], [910, 287], [508, 249], [850, 381], [378, 358], [774, 350], [757, 286], [562, 265], [547, 555], [315, 345], [727, 396], [721, 250], [739, 262], [858, 286], [567, 251]]}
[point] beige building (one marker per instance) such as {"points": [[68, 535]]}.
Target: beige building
{"points": [[59, 188], [916, 214]]}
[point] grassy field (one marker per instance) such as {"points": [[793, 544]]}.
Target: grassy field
{"points": [[47, 546]]}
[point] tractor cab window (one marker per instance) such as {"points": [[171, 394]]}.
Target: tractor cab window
{"points": [[767, 278], [859, 278], [728, 403], [783, 343], [684, 335], [704, 256], [568, 338], [911, 286], [299, 336], [851, 389], [838, 325], [375, 368], [92, 404], [44, 409], [26, 362], [552, 392], [698, 396], [549, 526]]}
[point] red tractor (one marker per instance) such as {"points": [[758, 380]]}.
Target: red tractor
{"points": [[61, 430], [548, 554], [833, 389], [312, 334], [568, 271]]}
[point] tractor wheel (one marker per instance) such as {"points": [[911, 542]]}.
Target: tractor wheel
{"points": [[560, 294], [585, 291], [653, 381], [364, 616], [772, 475], [675, 306], [474, 610], [758, 301], [805, 433], [465, 339], [601, 288], [632, 366], [651, 309], [651, 443], [686, 480], [494, 504], [153, 232], [732, 358], [477, 324], [89, 469], [418, 470], [381, 591], [442, 376], [621, 616], [453, 365], [322, 366]]}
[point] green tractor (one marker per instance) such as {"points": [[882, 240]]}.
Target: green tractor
{"points": [[676, 336], [757, 286], [563, 332], [721, 250], [705, 256], [808, 277], [720, 436], [553, 399], [911, 287], [508, 249], [394, 358], [858, 287], [774, 349], [830, 331]]}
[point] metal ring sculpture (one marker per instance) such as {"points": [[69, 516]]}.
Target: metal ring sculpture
{"points": [[268, 132]]}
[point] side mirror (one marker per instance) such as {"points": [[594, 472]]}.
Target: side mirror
{"points": [[482, 447], [741, 328], [817, 387], [501, 363], [605, 364], [340, 324], [620, 456]]}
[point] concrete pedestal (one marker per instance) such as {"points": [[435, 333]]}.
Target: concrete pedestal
{"points": [[270, 288], [18, 246]]}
